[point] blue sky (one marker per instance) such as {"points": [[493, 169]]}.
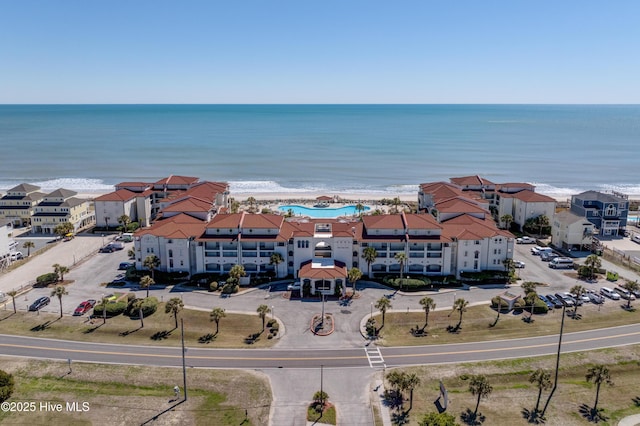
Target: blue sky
{"points": [[319, 51]]}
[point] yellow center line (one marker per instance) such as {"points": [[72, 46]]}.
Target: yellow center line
{"points": [[410, 355]]}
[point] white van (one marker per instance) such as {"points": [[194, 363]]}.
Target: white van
{"points": [[561, 263], [636, 238]]}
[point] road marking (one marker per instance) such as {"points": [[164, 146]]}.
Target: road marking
{"points": [[374, 356]]}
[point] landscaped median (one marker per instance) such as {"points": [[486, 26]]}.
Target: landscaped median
{"points": [[481, 323], [159, 328]]}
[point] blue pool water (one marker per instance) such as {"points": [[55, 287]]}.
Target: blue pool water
{"points": [[323, 212]]}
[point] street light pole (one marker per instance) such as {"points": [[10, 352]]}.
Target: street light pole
{"points": [[371, 315], [273, 312]]}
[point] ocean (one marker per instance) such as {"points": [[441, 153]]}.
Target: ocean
{"points": [[377, 149]]}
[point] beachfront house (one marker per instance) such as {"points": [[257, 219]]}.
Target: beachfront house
{"points": [[112, 206], [608, 211], [17, 205], [523, 205], [62, 206], [6, 243], [572, 232]]}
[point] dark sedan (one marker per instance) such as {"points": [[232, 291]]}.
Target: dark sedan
{"points": [[39, 303]]}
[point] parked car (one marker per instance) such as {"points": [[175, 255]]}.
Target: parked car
{"points": [[546, 301], [595, 297], [536, 250], [39, 303], [111, 297], [525, 240], [294, 286], [124, 266], [566, 300], [84, 307], [561, 263], [116, 245], [16, 255], [556, 302], [625, 294], [576, 301], [548, 256], [606, 291], [107, 249], [518, 264]]}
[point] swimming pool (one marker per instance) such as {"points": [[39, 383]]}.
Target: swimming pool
{"points": [[323, 212]]}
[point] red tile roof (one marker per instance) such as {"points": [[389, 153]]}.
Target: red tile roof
{"points": [[177, 180], [421, 221], [179, 226], [316, 270], [471, 180], [459, 205], [383, 221], [190, 204], [119, 195], [467, 227]]}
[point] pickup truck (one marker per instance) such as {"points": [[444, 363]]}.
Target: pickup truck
{"points": [[525, 240]]}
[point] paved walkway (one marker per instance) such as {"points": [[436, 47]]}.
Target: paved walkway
{"points": [[630, 420]]}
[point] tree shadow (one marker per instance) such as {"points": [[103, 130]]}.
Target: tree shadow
{"points": [[161, 335], [92, 329], [628, 309], [207, 338], [636, 401], [574, 315], [400, 418], [592, 415], [44, 325], [8, 316], [128, 332], [393, 399], [418, 332], [252, 338], [532, 416], [470, 418], [454, 329]]}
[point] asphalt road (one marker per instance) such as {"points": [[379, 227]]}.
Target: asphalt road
{"points": [[313, 358]]}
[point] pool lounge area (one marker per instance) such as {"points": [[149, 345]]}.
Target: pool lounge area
{"points": [[322, 212]]}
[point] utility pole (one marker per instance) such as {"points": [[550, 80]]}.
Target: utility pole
{"points": [[184, 365], [555, 384], [321, 391]]}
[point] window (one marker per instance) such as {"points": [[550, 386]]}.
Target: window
{"points": [[170, 253], [476, 254], [475, 264], [610, 210]]}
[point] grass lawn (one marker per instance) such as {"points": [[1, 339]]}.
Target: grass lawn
{"points": [[159, 329], [513, 394], [131, 394], [477, 324], [328, 415]]}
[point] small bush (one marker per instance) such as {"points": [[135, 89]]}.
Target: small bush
{"points": [[6, 385], [213, 286], [149, 306], [230, 288], [113, 309], [46, 279], [498, 301]]}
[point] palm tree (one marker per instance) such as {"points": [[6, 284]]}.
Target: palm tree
{"points": [[263, 310], [56, 270], [234, 205], [28, 245], [236, 272], [427, 304], [460, 305], [396, 202], [411, 382], [63, 229], [507, 219], [125, 221], [13, 295], [478, 386], [369, 254], [59, 291], [359, 208], [509, 265], [354, 275], [216, 315], [275, 260], [599, 374], [383, 304], [528, 287], [401, 258], [137, 304], [251, 201], [631, 287], [593, 262], [174, 306], [62, 270], [542, 380], [104, 302], [151, 262], [146, 282], [577, 291], [542, 221]]}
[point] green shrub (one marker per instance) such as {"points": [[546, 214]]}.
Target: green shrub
{"points": [[113, 309], [46, 279], [498, 301], [213, 286], [6, 385], [149, 306], [230, 288]]}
